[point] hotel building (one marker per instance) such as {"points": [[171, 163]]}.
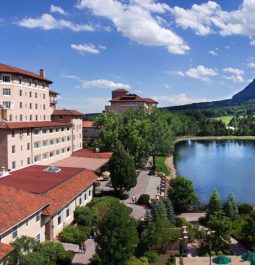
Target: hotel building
{"points": [[32, 130]]}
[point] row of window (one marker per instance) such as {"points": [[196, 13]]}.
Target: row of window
{"points": [[44, 156], [50, 130], [7, 92], [9, 105], [7, 79], [31, 117]]}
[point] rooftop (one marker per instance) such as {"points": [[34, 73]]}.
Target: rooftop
{"points": [[5, 250], [33, 124], [87, 124], [4, 68], [16, 205], [86, 153], [64, 193], [132, 98], [65, 112], [36, 180], [53, 92]]}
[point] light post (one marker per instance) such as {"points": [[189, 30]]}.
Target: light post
{"points": [[209, 232]]}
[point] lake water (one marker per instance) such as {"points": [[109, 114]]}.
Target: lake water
{"points": [[228, 166]]}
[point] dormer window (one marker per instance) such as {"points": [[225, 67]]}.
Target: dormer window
{"points": [[6, 78]]}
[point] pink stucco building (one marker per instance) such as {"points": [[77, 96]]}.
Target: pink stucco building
{"points": [[32, 130]]}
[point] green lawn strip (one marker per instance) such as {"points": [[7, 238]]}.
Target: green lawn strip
{"points": [[225, 119], [160, 165]]}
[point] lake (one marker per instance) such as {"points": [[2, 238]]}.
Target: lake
{"points": [[227, 165]]}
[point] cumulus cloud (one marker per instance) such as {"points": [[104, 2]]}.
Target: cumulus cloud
{"points": [[236, 74], [200, 72], [103, 83], [48, 22], [87, 48], [175, 100], [136, 21], [214, 52], [208, 18], [58, 9]]}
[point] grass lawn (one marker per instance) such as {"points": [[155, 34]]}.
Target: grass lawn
{"points": [[160, 166], [225, 119]]}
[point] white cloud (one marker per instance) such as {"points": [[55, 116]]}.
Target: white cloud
{"points": [[214, 52], [175, 100], [252, 42], [236, 74], [70, 76], [103, 83], [135, 20], [48, 22], [87, 48], [251, 62], [58, 9], [208, 18]]}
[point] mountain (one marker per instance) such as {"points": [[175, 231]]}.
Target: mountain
{"points": [[247, 95]]}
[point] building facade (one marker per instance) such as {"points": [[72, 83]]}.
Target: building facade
{"points": [[123, 100], [32, 130]]}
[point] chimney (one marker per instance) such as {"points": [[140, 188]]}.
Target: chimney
{"points": [[42, 73]]}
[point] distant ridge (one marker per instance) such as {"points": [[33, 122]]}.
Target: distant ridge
{"points": [[244, 96]]}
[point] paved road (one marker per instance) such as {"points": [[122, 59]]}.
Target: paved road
{"points": [[84, 258]]}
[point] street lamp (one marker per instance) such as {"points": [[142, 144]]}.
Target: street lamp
{"points": [[209, 232]]}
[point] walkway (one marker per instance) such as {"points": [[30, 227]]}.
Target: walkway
{"points": [[82, 258]]}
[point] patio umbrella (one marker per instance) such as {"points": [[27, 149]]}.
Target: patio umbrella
{"points": [[222, 260], [250, 256], [106, 174]]}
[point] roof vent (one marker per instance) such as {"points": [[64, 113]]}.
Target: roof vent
{"points": [[3, 172], [52, 169]]}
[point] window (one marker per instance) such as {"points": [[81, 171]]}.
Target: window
{"points": [[36, 117], [44, 131], [36, 106], [36, 145], [20, 80], [15, 232], [31, 117], [27, 132], [44, 117], [45, 143], [80, 200], [13, 134], [57, 152], [10, 117], [51, 154], [30, 105], [44, 106], [28, 146], [38, 237], [89, 192], [20, 93], [43, 96], [7, 104], [57, 140], [51, 130], [63, 150], [62, 129], [57, 129], [27, 223], [68, 149], [51, 142], [63, 139], [45, 155], [30, 94], [35, 94], [6, 91], [28, 160], [68, 211], [60, 218], [13, 149], [20, 117], [30, 83], [68, 128], [85, 196], [20, 105], [6, 78], [38, 217], [36, 131], [37, 158], [35, 83], [13, 164]]}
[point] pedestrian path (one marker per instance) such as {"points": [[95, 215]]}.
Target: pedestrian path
{"points": [[82, 258]]}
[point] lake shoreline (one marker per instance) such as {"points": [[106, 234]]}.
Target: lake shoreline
{"points": [[227, 137]]}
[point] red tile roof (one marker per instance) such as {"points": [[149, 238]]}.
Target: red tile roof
{"points": [[4, 68], [33, 124], [65, 112], [119, 90], [5, 250], [16, 205], [53, 92], [87, 124], [92, 154], [132, 98], [67, 191], [34, 179]]}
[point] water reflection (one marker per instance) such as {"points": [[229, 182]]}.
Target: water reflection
{"points": [[227, 165]]}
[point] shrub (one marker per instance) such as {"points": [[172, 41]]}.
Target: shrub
{"points": [[245, 208], [136, 261], [95, 260], [151, 256], [83, 215], [72, 234], [143, 199], [124, 196]]}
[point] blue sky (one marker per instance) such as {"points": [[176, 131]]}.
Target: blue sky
{"points": [[177, 52]]}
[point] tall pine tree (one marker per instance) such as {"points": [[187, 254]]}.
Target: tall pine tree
{"points": [[214, 205], [170, 212]]}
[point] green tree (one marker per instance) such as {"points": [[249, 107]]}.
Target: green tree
{"points": [[248, 230], [122, 168], [83, 215], [162, 137], [158, 210], [230, 207], [118, 236], [214, 205], [170, 212], [182, 194], [136, 261], [221, 226]]}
